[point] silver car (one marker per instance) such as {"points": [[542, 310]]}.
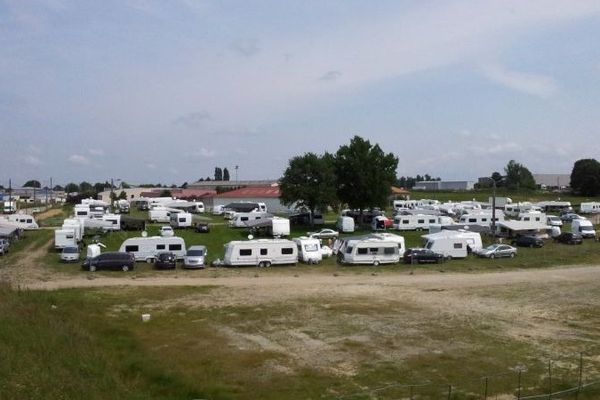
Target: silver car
{"points": [[497, 250], [195, 257], [70, 254]]}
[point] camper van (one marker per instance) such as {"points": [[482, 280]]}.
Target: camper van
{"points": [[369, 250], [239, 219], [260, 252], [584, 227], [76, 225], [64, 238], [533, 216], [419, 221], [453, 244], [181, 220], [589, 208], [483, 218], [24, 221], [160, 214], [345, 224], [309, 250], [146, 248]]}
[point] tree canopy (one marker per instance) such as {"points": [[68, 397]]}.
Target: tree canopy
{"points": [[585, 177], [33, 183], [364, 173], [518, 176], [309, 181]]}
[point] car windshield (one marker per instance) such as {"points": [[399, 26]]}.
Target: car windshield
{"points": [[196, 253], [492, 247], [71, 250]]}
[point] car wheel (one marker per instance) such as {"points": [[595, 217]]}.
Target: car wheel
{"points": [[512, 255], [376, 263], [125, 268], [492, 256]]}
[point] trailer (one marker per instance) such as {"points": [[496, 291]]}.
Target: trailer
{"points": [[146, 248], [483, 217], [259, 252], [64, 238], [592, 207], [25, 221], [369, 250], [453, 244], [181, 220], [419, 221], [240, 219], [309, 250]]}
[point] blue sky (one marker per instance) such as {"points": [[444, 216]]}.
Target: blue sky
{"points": [[164, 91]]}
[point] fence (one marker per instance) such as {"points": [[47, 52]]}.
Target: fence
{"points": [[555, 380]]}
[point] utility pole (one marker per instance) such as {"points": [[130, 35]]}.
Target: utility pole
{"points": [[236, 174], [494, 210]]}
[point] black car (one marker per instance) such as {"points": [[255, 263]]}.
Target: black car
{"points": [[202, 228], [569, 238], [165, 260], [419, 256], [528, 241], [114, 260]]}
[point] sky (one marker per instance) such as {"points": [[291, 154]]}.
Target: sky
{"points": [[165, 91]]}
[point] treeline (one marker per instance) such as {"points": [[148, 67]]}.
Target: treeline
{"points": [[221, 174], [408, 182]]}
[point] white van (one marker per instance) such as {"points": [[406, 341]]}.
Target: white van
{"points": [[260, 252], [345, 224], [589, 208], [584, 227], [181, 220], [146, 248], [160, 214], [369, 250], [309, 250], [453, 244]]}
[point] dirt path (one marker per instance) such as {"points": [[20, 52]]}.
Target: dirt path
{"points": [[28, 267]]}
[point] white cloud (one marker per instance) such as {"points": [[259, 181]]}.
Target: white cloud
{"points": [[96, 152], [78, 159], [533, 84], [202, 153], [330, 76], [32, 160]]}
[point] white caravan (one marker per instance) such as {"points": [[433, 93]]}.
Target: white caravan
{"points": [[584, 227], [188, 206], [419, 221], [146, 248], [159, 214], [483, 218], [239, 219], [533, 216], [345, 224], [369, 250], [555, 206], [181, 220], [10, 207], [25, 221], [407, 204], [279, 227], [260, 252], [453, 244], [114, 219], [64, 238], [513, 210], [309, 250], [589, 208], [399, 240], [76, 225]]}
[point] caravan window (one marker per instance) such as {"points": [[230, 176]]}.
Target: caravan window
{"points": [[130, 249], [361, 250], [264, 252], [160, 247], [421, 221], [81, 212], [472, 219], [349, 250], [405, 221], [311, 247], [245, 252], [244, 219], [374, 250], [458, 245], [483, 219], [287, 250], [181, 219], [432, 221], [389, 251], [175, 247]]}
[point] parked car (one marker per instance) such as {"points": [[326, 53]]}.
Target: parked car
{"points": [[420, 255], [553, 220], [569, 238], [4, 246], [568, 217], [324, 234], [195, 257], [497, 250], [166, 231], [202, 228], [70, 254], [528, 241], [115, 260], [165, 260]]}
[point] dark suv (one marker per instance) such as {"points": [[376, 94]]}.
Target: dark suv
{"points": [[569, 238], [111, 260], [528, 241], [418, 256], [165, 260]]}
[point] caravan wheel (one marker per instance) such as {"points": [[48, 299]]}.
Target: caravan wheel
{"points": [[267, 264], [376, 263], [261, 264]]}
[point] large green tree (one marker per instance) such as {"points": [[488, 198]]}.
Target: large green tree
{"points": [[72, 188], [309, 181], [33, 183], [585, 177], [518, 176], [364, 173]]}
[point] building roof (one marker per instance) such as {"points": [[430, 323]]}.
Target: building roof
{"points": [[398, 190], [232, 183], [252, 192]]}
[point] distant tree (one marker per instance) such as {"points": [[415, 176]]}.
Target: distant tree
{"points": [[86, 188], [518, 176], [218, 174], [1, 187], [201, 180], [125, 185], [498, 178], [100, 187], [207, 179], [33, 183], [585, 177], [165, 193], [58, 188], [122, 195], [309, 181], [226, 174], [364, 174], [173, 186], [72, 188], [184, 186]]}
